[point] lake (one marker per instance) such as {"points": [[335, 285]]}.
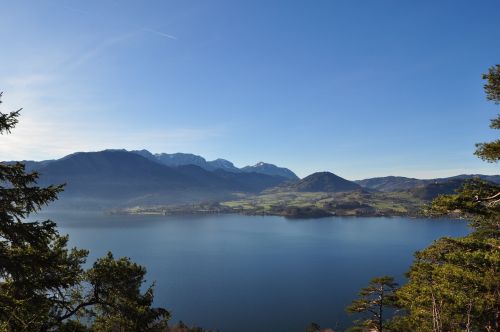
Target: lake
{"points": [[257, 273]]}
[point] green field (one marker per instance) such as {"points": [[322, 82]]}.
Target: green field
{"points": [[299, 204], [345, 203]]}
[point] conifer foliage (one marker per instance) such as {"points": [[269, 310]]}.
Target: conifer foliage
{"points": [[454, 284], [491, 151], [43, 285], [374, 300]]}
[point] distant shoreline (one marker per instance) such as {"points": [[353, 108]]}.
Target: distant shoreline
{"points": [[291, 212]]}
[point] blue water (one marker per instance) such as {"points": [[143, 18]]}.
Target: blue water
{"points": [[254, 273]]}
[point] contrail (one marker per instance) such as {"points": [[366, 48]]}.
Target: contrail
{"points": [[77, 10], [163, 34], [156, 32]]}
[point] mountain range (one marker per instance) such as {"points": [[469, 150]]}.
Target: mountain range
{"points": [[125, 178], [182, 159], [112, 177]]}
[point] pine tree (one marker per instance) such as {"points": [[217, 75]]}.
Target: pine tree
{"points": [[491, 151], [373, 301], [43, 285], [454, 284]]}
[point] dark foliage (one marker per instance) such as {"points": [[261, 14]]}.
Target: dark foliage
{"points": [[43, 285]]}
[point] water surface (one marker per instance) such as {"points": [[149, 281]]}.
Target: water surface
{"points": [[255, 273]]}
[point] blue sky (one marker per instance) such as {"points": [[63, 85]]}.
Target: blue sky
{"points": [[359, 88]]}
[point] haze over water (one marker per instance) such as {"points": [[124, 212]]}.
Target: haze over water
{"points": [[254, 273]]}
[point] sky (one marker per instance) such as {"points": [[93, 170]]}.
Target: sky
{"points": [[359, 88]]}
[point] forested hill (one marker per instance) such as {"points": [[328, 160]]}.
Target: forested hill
{"points": [[399, 183], [322, 182]]}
